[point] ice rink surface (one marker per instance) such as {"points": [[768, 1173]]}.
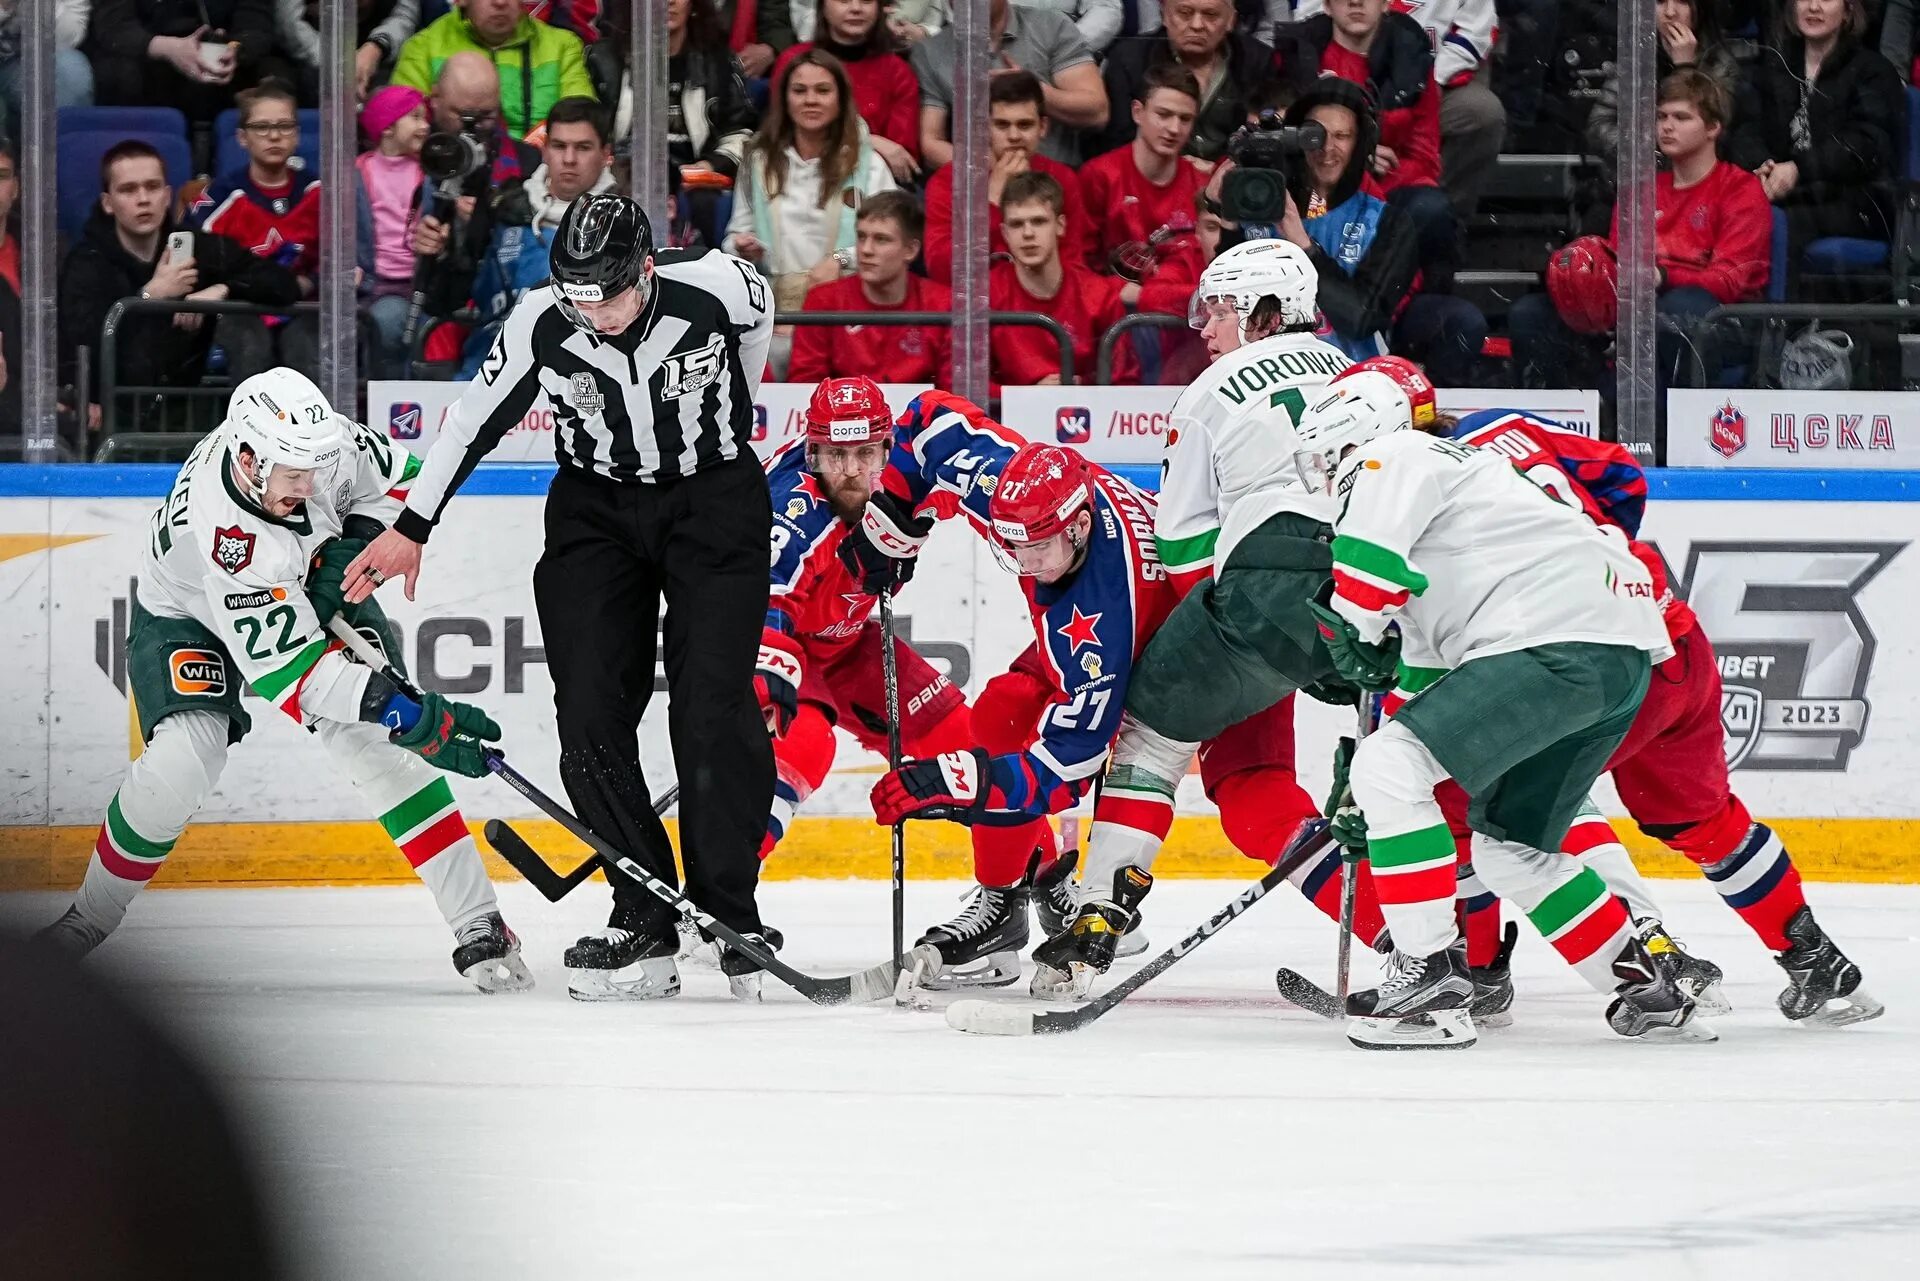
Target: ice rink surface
{"points": [[414, 1128]]}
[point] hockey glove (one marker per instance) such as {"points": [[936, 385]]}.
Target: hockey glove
{"points": [[326, 575], [882, 549], [1370, 665], [776, 680], [1349, 825], [450, 735], [952, 785]]}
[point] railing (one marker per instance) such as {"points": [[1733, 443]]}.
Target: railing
{"points": [[111, 392], [1869, 312], [1110, 341]]}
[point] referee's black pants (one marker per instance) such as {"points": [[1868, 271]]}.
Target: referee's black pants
{"points": [[613, 551]]}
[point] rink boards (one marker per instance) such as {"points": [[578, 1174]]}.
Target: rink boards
{"points": [[1806, 582]]}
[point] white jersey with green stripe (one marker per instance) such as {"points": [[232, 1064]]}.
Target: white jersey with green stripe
{"points": [[1472, 559], [1228, 464], [214, 556]]}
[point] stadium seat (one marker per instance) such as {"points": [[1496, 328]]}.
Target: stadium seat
{"points": [[228, 155], [77, 169], [136, 119]]}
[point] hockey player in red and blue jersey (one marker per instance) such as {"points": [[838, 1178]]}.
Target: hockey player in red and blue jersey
{"points": [[1671, 769], [821, 654]]}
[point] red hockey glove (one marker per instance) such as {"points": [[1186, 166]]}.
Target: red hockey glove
{"points": [[776, 680], [881, 550], [952, 785]]}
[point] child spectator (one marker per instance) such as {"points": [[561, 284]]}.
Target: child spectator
{"points": [[1040, 279], [885, 90], [1140, 196], [396, 119], [1229, 64], [807, 170], [1712, 245], [1016, 126], [272, 210], [889, 234], [122, 252], [1690, 36], [1816, 122], [1037, 40], [149, 53], [381, 27], [538, 65]]}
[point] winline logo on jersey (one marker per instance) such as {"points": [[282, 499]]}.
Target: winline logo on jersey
{"points": [[1795, 650]]}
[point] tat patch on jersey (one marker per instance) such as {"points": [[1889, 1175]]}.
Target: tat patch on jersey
{"points": [[198, 672], [232, 548]]}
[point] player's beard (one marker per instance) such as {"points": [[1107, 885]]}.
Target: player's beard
{"points": [[848, 497]]}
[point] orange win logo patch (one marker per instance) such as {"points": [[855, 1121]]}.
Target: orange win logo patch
{"points": [[200, 672]]}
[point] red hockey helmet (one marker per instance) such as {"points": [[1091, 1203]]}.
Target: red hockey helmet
{"points": [[1413, 381], [1041, 489], [1584, 282], [848, 411]]}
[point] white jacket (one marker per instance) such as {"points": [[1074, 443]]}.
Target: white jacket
{"points": [[1461, 32]]}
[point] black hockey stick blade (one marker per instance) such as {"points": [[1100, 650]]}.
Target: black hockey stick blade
{"points": [[987, 1018], [873, 984], [524, 859], [1302, 991]]}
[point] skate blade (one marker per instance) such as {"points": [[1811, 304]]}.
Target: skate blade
{"points": [[1709, 1002], [650, 981], [989, 1018], [500, 974], [1132, 943], [1503, 1019], [909, 986], [1438, 1030], [997, 970], [745, 987], [1857, 1007], [1692, 1031], [1070, 985]]}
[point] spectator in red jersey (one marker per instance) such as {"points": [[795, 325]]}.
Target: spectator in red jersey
{"points": [[1016, 125], [887, 240], [1387, 52], [9, 233], [1712, 245], [1039, 279], [885, 90], [1140, 196], [1230, 66], [1818, 119], [272, 210]]}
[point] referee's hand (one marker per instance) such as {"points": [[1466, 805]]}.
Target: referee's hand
{"points": [[391, 555]]}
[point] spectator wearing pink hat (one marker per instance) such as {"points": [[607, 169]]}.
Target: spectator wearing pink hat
{"points": [[395, 121]]}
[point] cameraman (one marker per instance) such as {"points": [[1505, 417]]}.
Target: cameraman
{"points": [[452, 236], [1366, 248]]}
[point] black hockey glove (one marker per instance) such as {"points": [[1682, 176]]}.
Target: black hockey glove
{"points": [[1370, 665], [326, 586], [952, 786], [450, 735], [882, 548]]}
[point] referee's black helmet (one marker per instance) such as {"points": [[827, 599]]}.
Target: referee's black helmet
{"points": [[599, 252]]}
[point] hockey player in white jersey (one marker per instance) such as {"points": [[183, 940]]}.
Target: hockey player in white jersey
{"points": [[1530, 637], [241, 574], [1246, 544]]}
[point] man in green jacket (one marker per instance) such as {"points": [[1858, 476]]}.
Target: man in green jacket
{"points": [[538, 64]]}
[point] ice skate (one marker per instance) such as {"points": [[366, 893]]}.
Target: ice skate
{"points": [[632, 959], [695, 947], [988, 934], [1818, 973], [1493, 984], [1055, 903], [1422, 1003], [1697, 977], [72, 934], [742, 971], [489, 954], [1650, 1002], [1067, 963]]}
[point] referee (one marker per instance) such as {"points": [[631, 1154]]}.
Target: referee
{"points": [[650, 362]]}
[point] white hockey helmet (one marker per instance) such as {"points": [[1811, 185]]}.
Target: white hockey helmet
{"points": [[1354, 410], [282, 418], [1254, 270]]}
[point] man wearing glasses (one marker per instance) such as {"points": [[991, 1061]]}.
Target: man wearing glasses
{"points": [[271, 209]]}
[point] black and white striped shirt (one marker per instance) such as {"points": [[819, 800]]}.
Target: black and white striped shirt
{"points": [[671, 395]]}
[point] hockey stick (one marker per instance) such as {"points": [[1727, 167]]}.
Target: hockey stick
{"points": [[890, 671], [868, 985], [536, 871], [987, 1018]]}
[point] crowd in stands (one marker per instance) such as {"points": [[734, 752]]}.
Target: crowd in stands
{"points": [[814, 139]]}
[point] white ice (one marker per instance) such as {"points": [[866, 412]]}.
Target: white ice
{"points": [[418, 1129]]}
